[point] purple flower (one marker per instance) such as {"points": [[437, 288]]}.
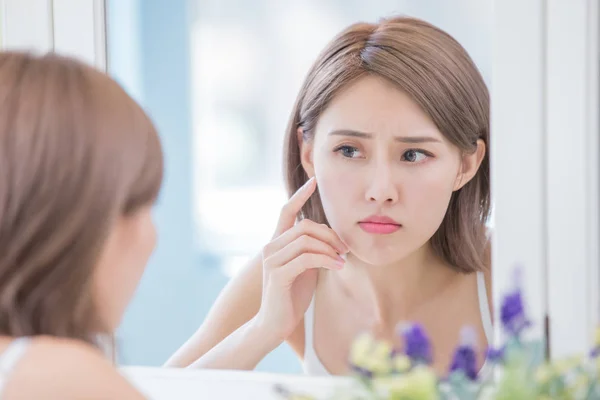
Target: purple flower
{"points": [[495, 355], [465, 356], [512, 312], [595, 352], [465, 360], [416, 343]]}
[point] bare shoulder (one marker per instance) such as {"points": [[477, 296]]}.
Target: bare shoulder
{"points": [[66, 369]]}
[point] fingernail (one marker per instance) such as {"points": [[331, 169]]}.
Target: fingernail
{"points": [[340, 259], [340, 264]]}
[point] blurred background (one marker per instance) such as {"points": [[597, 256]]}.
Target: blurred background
{"points": [[219, 78]]}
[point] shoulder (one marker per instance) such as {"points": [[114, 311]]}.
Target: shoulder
{"points": [[66, 369]]}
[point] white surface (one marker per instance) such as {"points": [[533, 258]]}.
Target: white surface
{"points": [[572, 173], [181, 384], [79, 30], [518, 159], [593, 167], [71, 27], [27, 24], [545, 162]]}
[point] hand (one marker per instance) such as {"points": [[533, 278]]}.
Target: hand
{"points": [[290, 266]]}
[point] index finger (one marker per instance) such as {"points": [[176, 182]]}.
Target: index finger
{"points": [[290, 210]]}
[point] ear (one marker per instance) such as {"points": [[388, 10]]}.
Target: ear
{"points": [[306, 153], [470, 165]]}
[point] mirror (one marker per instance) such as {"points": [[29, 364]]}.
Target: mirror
{"points": [[220, 78]]}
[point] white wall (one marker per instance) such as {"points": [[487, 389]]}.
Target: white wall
{"points": [[70, 27], [545, 162], [571, 102], [517, 159]]}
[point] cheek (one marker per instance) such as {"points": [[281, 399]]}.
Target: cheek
{"points": [[122, 265], [427, 194], [148, 237], [339, 189], [135, 256]]}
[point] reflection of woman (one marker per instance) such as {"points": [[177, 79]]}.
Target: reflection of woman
{"points": [[81, 166], [392, 127]]}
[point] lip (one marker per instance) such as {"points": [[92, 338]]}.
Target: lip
{"points": [[379, 224]]}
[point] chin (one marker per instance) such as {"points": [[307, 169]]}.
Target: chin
{"points": [[378, 257]]}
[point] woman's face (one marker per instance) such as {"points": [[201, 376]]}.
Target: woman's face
{"points": [[122, 263], [385, 172]]}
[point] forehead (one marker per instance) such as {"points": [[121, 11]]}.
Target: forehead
{"points": [[374, 105]]}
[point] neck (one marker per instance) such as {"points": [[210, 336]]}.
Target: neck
{"points": [[389, 293]]}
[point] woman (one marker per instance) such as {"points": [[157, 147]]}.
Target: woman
{"points": [[392, 127], [82, 166]]}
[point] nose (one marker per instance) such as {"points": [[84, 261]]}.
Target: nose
{"points": [[381, 189]]}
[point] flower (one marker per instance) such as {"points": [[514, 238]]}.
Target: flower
{"points": [[401, 363], [416, 343], [404, 374], [564, 365], [380, 360], [495, 355], [544, 374], [465, 356], [596, 349], [512, 313], [360, 351], [418, 384], [369, 357], [514, 385]]}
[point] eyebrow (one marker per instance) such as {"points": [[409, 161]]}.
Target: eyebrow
{"points": [[402, 139]]}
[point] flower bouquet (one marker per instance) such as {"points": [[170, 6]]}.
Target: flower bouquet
{"points": [[515, 371]]}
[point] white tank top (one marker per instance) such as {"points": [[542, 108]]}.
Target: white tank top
{"points": [[313, 365], [11, 356]]}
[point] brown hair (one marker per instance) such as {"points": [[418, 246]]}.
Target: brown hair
{"points": [[76, 153], [438, 74]]}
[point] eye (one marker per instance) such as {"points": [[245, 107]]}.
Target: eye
{"points": [[414, 156], [348, 151]]}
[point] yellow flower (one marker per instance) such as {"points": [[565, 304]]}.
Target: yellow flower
{"points": [[401, 363], [361, 350], [544, 374], [597, 338], [514, 385], [581, 382], [418, 384], [567, 364], [379, 366], [382, 349], [379, 361], [371, 355]]}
